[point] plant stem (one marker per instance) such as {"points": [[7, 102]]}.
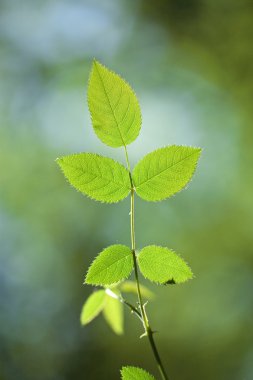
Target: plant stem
{"points": [[122, 300], [148, 331], [143, 313]]}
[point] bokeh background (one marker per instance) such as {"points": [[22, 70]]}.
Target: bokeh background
{"points": [[190, 62]]}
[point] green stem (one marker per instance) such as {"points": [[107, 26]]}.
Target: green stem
{"points": [[148, 331], [143, 313], [122, 300]]}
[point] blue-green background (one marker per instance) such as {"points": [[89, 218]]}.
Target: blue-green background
{"points": [[190, 63]]}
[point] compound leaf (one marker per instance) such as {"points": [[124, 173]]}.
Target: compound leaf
{"points": [[114, 108], [130, 287], [165, 171], [114, 315], [135, 373], [161, 265], [101, 178], [93, 306], [113, 264]]}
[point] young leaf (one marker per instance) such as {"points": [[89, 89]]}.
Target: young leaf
{"points": [[114, 316], [130, 287], [165, 171], [101, 178], [135, 373], [161, 265], [113, 264], [114, 108], [93, 306]]}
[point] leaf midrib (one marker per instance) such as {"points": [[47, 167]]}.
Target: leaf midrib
{"points": [[185, 269], [109, 103], [116, 261], [122, 184], [168, 168]]}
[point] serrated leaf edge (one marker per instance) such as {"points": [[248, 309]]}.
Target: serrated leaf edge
{"points": [[184, 187], [164, 283], [57, 160], [95, 61], [106, 285], [130, 366]]}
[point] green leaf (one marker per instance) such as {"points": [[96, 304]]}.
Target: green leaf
{"points": [[101, 178], [93, 306], [135, 373], [114, 315], [130, 287], [113, 264], [161, 265], [165, 171], [114, 108]]}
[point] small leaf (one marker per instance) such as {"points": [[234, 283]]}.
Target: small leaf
{"points": [[165, 171], [114, 108], [113, 264], [114, 315], [161, 265], [93, 306], [130, 287], [135, 373], [101, 178]]}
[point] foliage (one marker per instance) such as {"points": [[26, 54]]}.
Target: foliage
{"points": [[164, 172], [132, 373], [93, 306], [114, 108], [116, 120], [114, 264], [101, 178], [113, 313], [130, 287], [160, 264]]}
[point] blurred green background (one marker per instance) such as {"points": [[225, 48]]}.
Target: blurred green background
{"points": [[190, 63]]}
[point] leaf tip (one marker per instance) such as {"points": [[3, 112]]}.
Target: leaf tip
{"points": [[96, 64]]}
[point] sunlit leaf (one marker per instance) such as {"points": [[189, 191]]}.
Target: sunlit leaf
{"points": [[114, 315], [165, 171], [135, 373], [161, 265], [114, 108], [113, 264], [93, 306], [101, 178]]}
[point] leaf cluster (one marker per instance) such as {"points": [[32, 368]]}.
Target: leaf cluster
{"points": [[116, 120], [109, 301], [157, 264]]}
